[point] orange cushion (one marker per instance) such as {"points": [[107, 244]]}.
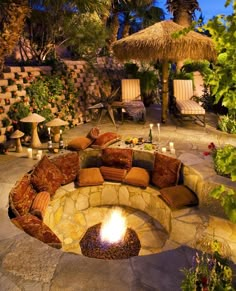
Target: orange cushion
{"points": [[113, 174], [166, 171], [117, 158], [40, 204], [68, 164], [46, 176], [36, 228], [79, 143], [21, 196], [178, 196], [105, 139], [89, 177], [137, 177]]}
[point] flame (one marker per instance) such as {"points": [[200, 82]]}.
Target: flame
{"points": [[114, 227]]}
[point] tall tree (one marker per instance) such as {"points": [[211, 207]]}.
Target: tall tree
{"points": [[183, 11], [12, 18]]}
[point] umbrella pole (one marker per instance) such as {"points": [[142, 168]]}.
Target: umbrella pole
{"points": [[165, 91]]}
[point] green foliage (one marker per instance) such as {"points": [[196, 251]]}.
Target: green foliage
{"points": [[86, 34], [225, 161], [222, 78], [227, 123], [225, 164]]}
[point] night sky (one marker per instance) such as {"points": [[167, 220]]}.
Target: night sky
{"points": [[209, 8]]}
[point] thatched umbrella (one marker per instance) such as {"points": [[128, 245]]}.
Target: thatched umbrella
{"points": [[160, 43]]}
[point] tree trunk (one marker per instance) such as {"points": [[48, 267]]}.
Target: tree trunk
{"points": [[114, 29], [165, 91]]}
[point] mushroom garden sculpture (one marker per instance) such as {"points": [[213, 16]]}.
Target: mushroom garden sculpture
{"points": [[34, 118], [56, 123]]}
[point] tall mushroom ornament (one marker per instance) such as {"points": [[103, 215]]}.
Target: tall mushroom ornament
{"points": [[34, 118], [160, 43], [56, 123]]}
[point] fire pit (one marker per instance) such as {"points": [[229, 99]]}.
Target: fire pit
{"points": [[111, 239]]}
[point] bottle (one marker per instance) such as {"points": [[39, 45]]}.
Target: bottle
{"points": [[61, 142], [150, 135], [49, 140]]}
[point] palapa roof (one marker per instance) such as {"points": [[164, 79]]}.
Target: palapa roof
{"points": [[33, 117], [157, 42]]}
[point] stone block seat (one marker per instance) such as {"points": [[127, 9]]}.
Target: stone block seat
{"points": [[146, 181]]}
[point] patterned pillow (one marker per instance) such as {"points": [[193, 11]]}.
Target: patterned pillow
{"points": [[79, 143], [137, 177], [166, 171], [105, 139], [40, 204], [113, 174], [117, 158], [36, 228], [178, 196], [46, 176], [21, 196], [89, 177], [68, 164]]}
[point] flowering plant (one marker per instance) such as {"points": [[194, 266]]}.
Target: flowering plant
{"points": [[209, 272], [212, 150]]}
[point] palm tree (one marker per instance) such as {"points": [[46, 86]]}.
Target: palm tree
{"points": [[123, 6], [183, 10]]}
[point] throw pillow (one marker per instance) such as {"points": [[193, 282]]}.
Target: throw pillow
{"points": [[105, 139], [113, 174], [21, 196], [93, 133], [166, 171], [68, 164], [89, 177], [79, 143], [33, 226], [46, 176], [178, 196], [117, 158], [40, 204], [137, 177]]}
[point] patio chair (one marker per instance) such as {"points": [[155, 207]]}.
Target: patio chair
{"points": [[183, 93], [131, 101]]}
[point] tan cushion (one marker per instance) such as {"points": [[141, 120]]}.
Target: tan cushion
{"points": [[36, 228], [178, 196], [117, 158], [79, 143], [46, 176], [21, 196], [68, 164], [106, 139], [89, 177], [137, 177], [166, 171], [113, 174], [189, 107], [40, 204]]}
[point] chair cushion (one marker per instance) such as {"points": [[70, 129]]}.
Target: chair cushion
{"points": [[89, 177], [189, 107], [117, 158], [113, 174], [46, 176], [137, 177], [165, 171], [40, 204], [68, 164], [178, 196], [105, 139], [21, 196], [79, 143], [33, 226]]}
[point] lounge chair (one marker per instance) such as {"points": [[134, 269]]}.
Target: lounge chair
{"points": [[131, 102], [183, 93]]}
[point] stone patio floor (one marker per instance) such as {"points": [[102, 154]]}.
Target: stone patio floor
{"points": [[28, 264]]}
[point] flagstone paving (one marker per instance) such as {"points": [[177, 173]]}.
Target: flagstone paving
{"points": [[28, 264]]}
